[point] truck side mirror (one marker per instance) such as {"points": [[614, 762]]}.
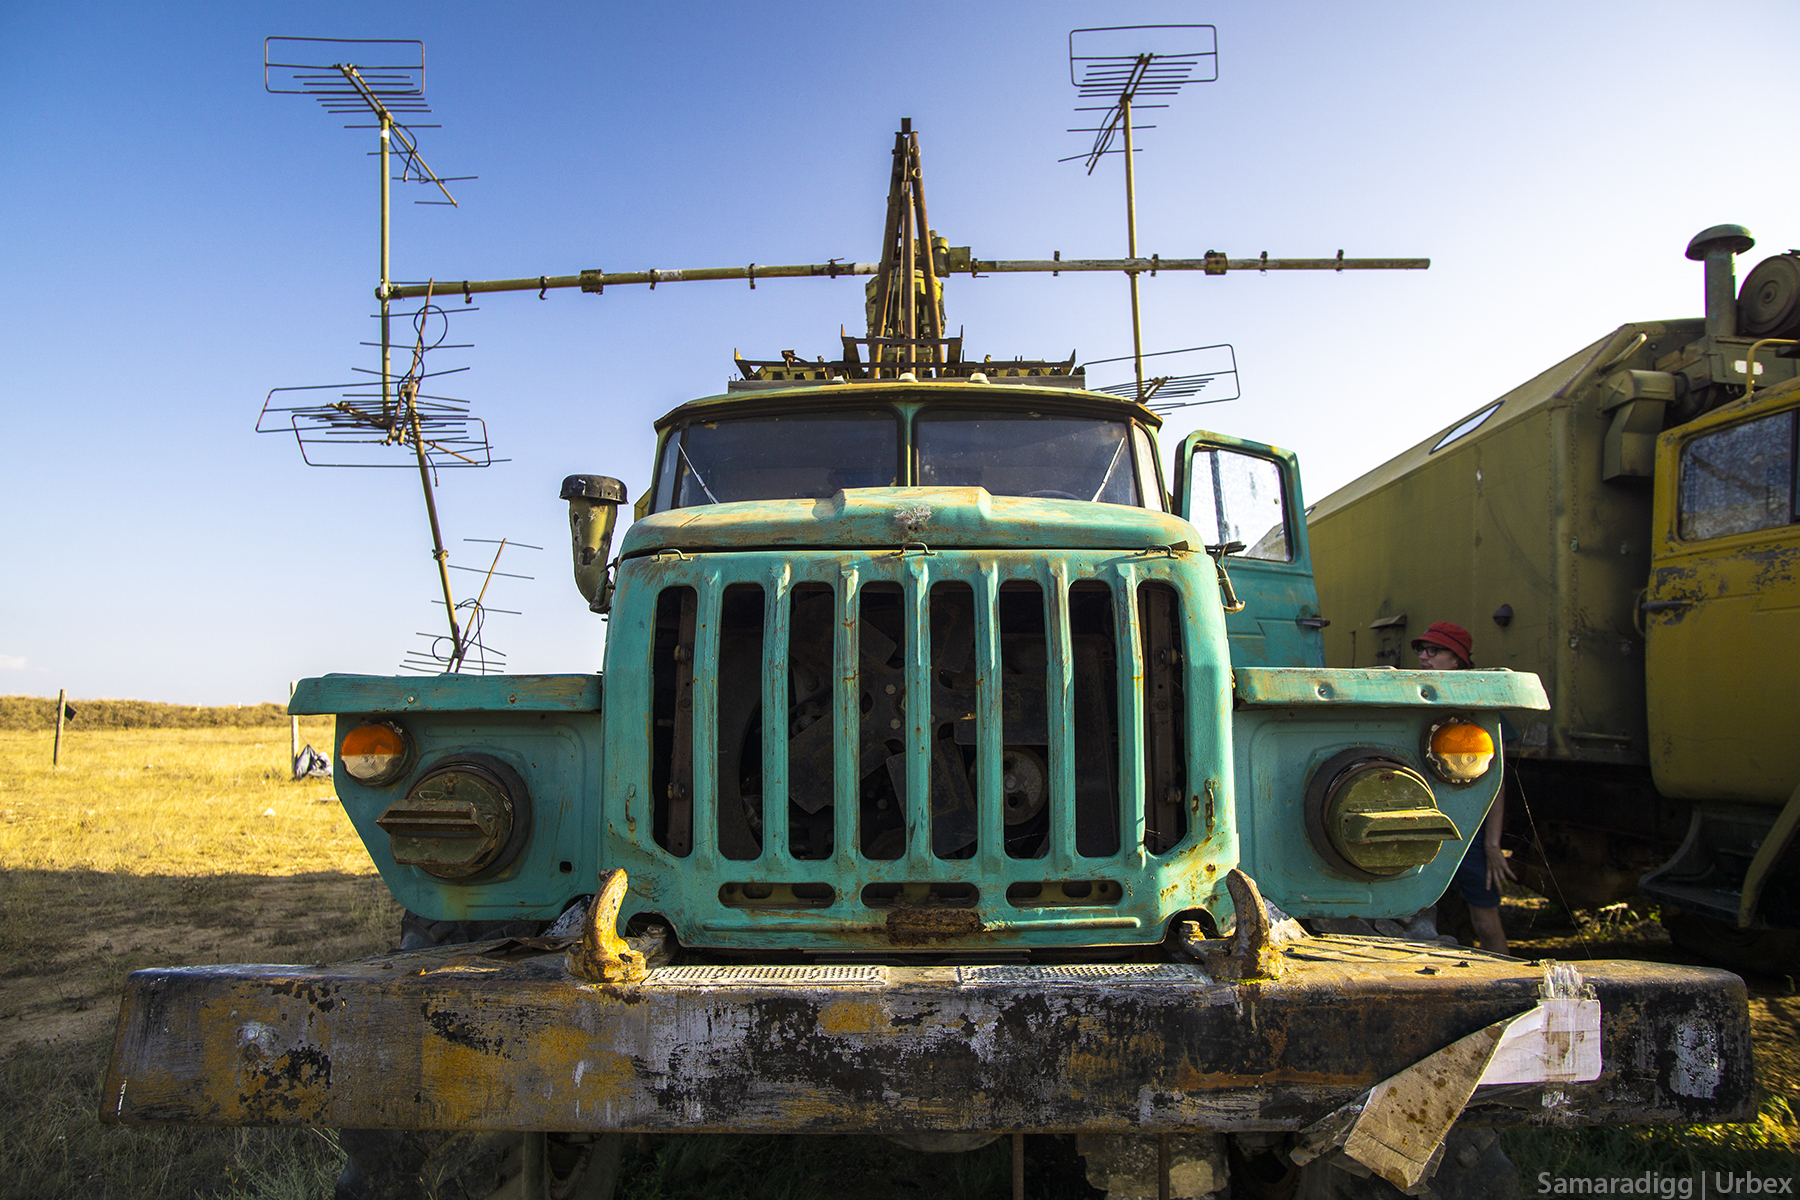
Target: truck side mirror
{"points": [[593, 511]]}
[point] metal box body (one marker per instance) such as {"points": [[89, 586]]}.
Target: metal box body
{"points": [[1511, 513]]}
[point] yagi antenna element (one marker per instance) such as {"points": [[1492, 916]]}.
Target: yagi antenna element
{"points": [[1120, 63]]}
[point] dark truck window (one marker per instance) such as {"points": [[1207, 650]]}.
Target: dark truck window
{"points": [[775, 457], [1739, 479], [1237, 498], [1025, 454]]}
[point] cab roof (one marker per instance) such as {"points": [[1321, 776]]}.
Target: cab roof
{"points": [[804, 396]]}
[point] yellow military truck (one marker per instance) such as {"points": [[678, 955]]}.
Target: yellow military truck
{"points": [[1624, 525]]}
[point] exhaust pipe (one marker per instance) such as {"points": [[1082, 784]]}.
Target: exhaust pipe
{"points": [[1716, 248]]}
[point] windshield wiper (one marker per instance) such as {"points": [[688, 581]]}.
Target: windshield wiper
{"points": [[1110, 468], [682, 450]]}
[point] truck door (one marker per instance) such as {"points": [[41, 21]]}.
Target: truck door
{"points": [[1722, 612], [1236, 491]]}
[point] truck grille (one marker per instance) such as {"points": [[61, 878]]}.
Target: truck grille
{"points": [[894, 729]]}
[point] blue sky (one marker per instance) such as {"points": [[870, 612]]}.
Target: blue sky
{"points": [[177, 242]]}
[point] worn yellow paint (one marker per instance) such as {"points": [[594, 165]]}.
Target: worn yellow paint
{"points": [[855, 1014], [1723, 662]]}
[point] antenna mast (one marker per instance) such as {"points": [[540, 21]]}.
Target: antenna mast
{"points": [[1118, 64], [907, 251], [386, 79]]}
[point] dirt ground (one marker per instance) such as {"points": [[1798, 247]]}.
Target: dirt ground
{"points": [[64, 986]]}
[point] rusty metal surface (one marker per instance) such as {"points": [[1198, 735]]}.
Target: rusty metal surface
{"points": [[466, 1039], [953, 518], [1292, 686], [333, 694], [601, 955], [596, 281]]}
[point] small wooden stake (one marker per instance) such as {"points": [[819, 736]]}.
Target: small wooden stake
{"points": [[62, 706]]}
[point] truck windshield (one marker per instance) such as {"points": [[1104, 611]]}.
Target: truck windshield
{"points": [[772, 457], [1027, 454]]}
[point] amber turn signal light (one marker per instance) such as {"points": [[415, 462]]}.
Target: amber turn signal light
{"points": [[375, 753], [1460, 751]]}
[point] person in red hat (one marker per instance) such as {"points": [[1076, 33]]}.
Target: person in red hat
{"points": [[1448, 647], [1445, 647]]}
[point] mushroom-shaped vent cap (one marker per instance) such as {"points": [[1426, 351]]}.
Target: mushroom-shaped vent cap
{"points": [[603, 488], [1734, 238]]}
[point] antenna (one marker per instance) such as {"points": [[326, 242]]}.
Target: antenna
{"points": [[353, 430], [1204, 371], [388, 79], [1119, 63], [470, 652], [384, 78]]}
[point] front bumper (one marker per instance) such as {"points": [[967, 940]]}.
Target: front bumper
{"points": [[461, 1039]]}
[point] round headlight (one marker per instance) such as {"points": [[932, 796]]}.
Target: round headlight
{"points": [[465, 819], [375, 753], [1371, 817], [1459, 751]]}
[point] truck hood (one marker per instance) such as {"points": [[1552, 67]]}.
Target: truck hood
{"points": [[951, 518]]}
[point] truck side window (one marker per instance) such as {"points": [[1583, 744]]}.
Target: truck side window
{"points": [[1012, 453], [1738, 479], [1148, 469], [1237, 498], [665, 471]]}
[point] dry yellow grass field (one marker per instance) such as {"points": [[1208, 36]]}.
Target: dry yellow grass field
{"points": [[160, 846]]}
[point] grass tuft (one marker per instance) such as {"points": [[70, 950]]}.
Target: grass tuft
{"points": [[1769, 1146], [52, 1146]]}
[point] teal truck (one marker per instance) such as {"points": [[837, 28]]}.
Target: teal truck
{"points": [[950, 775]]}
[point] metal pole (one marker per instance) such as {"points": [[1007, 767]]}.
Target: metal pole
{"points": [[933, 321], [386, 343], [1137, 328], [293, 728], [409, 394], [910, 320], [1018, 1149], [884, 271], [62, 706], [595, 281]]}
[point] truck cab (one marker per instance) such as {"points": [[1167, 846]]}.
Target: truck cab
{"points": [[940, 665]]}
